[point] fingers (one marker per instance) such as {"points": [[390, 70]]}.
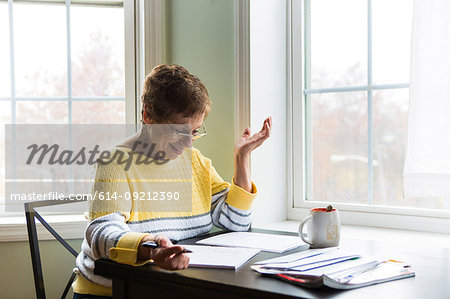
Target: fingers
{"points": [[163, 241], [269, 126], [262, 135], [171, 258], [248, 143], [177, 262], [168, 256], [265, 131], [167, 252], [267, 123], [247, 132]]}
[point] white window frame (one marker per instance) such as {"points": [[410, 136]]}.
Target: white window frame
{"points": [[68, 98], [144, 48], [355, 214]]}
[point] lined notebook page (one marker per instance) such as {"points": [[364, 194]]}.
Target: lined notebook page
{"points": [[264, 242]]}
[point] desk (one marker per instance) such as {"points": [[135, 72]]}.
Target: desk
{"points": [[432, 277]]}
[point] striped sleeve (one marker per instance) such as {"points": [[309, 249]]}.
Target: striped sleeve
{"points": [[104, 233], [231, 206], [230, 217], [110, 237]]}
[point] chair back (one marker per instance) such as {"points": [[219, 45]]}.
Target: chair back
{"points": [[31, 215]]}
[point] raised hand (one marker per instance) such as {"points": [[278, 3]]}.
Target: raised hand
{"points": [[247, 143]]}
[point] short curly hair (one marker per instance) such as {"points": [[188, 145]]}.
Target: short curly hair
{"points": [[171, 90]]}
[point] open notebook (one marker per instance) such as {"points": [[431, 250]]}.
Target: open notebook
{"points": [[219, 257]]}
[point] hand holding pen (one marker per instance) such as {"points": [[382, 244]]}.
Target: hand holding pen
{"points": [[165, 255], [153, 244]]}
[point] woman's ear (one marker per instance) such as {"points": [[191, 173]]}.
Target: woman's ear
{"points": [[146, 117]]}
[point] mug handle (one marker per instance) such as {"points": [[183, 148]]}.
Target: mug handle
{"points": [[300, 230]]}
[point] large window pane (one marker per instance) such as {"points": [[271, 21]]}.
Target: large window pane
{"points": [[339, 145], [42, 112], [338, 43], [390, 115], [390, 109], [40, 49], [98, 112], [5, 74], [98, 51], [41, 40], [391, 40]]}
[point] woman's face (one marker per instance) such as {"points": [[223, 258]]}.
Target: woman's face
{"points": [[173, 136]]}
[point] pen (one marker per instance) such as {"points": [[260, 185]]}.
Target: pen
{"points": [[153, 244]]}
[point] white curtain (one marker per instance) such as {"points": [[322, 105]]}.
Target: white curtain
{"points": [[427, 161]]}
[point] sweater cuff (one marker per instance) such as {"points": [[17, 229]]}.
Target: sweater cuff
{"points": [[127, 248], [240, 198]]}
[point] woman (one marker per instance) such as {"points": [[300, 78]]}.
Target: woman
{"points": [[175, 104]]}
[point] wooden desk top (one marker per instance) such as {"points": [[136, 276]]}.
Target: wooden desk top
{"points": [[432, 274]]}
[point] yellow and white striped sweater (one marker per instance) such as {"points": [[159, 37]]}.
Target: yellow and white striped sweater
{"points": [[117, 225]]}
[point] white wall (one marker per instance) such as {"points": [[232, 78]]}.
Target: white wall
{"points": [[269, 97]]}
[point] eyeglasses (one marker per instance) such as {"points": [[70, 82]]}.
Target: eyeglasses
{"points": [[200, 132]]}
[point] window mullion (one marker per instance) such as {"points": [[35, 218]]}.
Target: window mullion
{"points": [[69, 62], [13, 88], [12, 60], [69, 89], [369, 103], [308, 107], [335, 89]]}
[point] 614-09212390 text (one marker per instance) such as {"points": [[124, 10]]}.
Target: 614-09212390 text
{"points": [[160, 196]]}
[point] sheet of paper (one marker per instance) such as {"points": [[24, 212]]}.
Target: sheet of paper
{"points": [[294, 256], [219, 257], [321, 264], [265, 242], [317, 272], [383, 272], [349, 264], [315, 261]]}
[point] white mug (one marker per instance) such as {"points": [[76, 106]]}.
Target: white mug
{"points": [[324, 228]]}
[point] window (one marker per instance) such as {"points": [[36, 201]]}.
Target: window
{"points": [[63, 62], [355, 91]]}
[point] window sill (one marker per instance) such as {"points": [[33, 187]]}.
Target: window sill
{"points": [[417, 239], [384, 217], [14, 229]]}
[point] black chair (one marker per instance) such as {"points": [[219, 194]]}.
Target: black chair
{"points": [[31, 214]]}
